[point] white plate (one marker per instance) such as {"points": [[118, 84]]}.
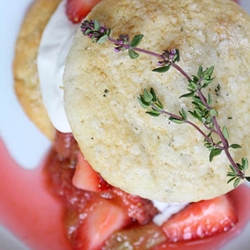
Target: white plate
{"points": [[23, 134]]}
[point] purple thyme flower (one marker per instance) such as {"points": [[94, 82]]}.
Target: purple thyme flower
{"points": [[95, 31], [168, 57], [121, 43]]}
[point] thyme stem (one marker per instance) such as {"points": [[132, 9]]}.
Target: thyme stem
{"points": [[182, 71], [203, 110]]}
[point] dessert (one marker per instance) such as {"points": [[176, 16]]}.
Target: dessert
{"points": [[114, 194]]}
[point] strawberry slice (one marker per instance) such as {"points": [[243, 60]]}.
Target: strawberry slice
{"points": [[76, 10], [138, 237], [201, 219], [86, 178], [101, 218]]}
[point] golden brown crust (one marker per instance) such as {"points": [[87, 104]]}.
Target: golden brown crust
{"points": [[25, 68]]}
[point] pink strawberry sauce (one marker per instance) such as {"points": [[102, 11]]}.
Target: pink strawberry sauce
{"points": [[26, 207], [36, 217]]}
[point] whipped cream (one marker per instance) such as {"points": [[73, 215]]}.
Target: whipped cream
{"points": [[54, 46], [166, 211]]}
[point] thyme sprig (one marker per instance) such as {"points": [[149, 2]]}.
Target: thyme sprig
{"points": [[203, 110]]}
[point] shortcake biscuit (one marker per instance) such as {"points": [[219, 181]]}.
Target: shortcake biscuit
{"points": [[151, 156], [27, 84]]}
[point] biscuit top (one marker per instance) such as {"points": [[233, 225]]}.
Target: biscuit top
{"points": [[151, 156]]}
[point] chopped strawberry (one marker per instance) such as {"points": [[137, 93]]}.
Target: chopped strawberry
{"points": [[100, 219], [76, 10], [86, 178], [138, 208], [201, 219], [137, 237]]}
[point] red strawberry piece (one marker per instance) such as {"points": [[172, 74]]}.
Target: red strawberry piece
{"points": [[201, 219], [97, 223], [86, 178], [137, 237], [138, 208], [76, 10]]}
